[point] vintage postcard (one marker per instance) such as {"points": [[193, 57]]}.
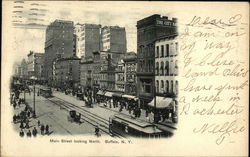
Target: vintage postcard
{"points": [[124, 78]]}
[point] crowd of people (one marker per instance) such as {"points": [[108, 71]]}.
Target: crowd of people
{"points": [[23, 116]]}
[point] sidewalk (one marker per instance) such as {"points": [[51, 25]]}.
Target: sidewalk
{"points": [[106, 112]]}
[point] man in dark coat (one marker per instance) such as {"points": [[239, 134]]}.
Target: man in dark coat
{"points": [[21, 133], [28, 133], [47, 129], [34, 132], [42, 129]]}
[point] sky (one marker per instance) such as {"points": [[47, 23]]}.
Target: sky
{"points": [[124, 14]]}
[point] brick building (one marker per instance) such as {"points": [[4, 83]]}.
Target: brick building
{"points": [[59, 42], [67, 73], [120, 77], [130, 61], [148, 31], [86, 72]]}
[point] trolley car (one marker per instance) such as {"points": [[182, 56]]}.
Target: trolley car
{"points": [[46, 92], [127, 127]]}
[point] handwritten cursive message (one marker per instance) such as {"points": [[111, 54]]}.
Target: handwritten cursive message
{"points": [[215, 75]]}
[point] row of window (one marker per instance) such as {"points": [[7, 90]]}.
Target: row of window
{"points": [[169, 69], [131, 67], [166, 51], [145, 66], [146, 51], [166, 86]]}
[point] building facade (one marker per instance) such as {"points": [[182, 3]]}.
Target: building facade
{"points": [[120, 77], [166, 66], [130, 62], [67, 72], [59, 42], [113, 38], [86, 72], [88, 39], [96, 70], [35, 64], [148, 31], [107, 72]]}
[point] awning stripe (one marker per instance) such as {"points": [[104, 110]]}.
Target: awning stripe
{"points": [[161, 102]]}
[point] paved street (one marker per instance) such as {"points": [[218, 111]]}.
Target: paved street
{"points": [[56, 115], [56, 118]]}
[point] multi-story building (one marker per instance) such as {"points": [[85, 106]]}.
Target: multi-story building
{"points": [[130, 62], [24, 69], [59, 42], [34, 64], [107, 81], [86, 72], [148, 31], [88, 39], [96, 70], [67, 72], [113, 39], [120, 77], [166, 66]]}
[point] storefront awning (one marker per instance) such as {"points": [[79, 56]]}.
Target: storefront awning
{"points": [[100, 92], [161, 102], [108, 94], [117, 94], [129, 96]]}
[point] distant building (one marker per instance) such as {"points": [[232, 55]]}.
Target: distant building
{"points": [[88, 39], [59, 42], [113, 39], [130, 61], [148, 31], [24, 69], [67, 72], [166, 66], [34, 64]]}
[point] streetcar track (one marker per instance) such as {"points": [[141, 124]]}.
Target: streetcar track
{"points": [[90, 118]]}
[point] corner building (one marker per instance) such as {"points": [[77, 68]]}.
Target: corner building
{"points": [[148, 31]]}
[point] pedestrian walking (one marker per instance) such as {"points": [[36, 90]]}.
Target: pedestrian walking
{"points": [[28, 114], [47, 129], [34, 132], [21, 133], [38, 122], [14, 105], [27, 124], [42, 129], [28, 133], [19, 102], [21, 125], [97, 131], [14, 118]]}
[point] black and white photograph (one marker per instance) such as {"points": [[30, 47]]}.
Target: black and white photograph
{"points": [[124, 78], [94, 76]]}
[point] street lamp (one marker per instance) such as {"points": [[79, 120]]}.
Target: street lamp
{"points": [[34, 95]]}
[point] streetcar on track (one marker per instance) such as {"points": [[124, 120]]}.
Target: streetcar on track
{"points": [[128, 127], [45, 92]]}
